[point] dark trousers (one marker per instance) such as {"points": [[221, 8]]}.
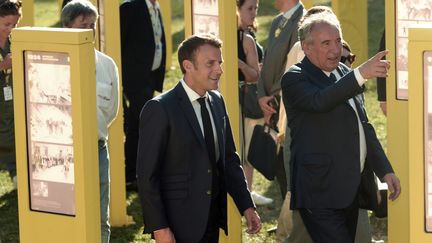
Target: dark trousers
{"points": [[211, 235], [132, 106], [281, 176], [331, 225]]}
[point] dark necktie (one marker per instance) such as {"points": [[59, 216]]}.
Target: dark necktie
{"points": [[208, 130], [332, 78]]}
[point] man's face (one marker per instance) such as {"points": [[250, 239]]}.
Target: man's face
{"points": [[325, 48], [278, 4], [204, 72], [84, 22]]}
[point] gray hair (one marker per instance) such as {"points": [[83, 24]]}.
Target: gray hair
{"points": [[77, 8], [306, 27]]}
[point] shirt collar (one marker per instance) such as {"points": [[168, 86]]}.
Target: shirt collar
{"points": [[192, 95], [150, 5], [290, 12]]}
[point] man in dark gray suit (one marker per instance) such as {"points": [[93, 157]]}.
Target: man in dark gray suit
{"points": [[333, 144], [187, 160], [282, 36]]}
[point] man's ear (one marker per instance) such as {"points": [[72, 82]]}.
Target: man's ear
{"points": [[188, 65]]}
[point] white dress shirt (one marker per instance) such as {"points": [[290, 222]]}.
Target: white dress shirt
{"points": [[193, 97]]}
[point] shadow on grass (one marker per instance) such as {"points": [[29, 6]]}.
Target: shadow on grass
{"points": [[9, 229]]}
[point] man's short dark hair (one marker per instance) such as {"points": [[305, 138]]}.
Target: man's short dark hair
{"points": [[188, 48], [76, 8], [10, 7]]}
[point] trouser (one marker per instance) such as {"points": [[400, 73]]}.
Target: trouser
{"points": [[132, 106], [104, 187], [299, 234], [331, 225]]}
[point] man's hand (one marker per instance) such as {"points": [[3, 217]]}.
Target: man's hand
{"points": [[266, 108], [383, 106], [393, 184], [253, 221], [375, 67], [164, 236]]}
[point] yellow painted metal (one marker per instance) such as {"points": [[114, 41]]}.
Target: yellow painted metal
{"points": [[118, 213], [397, 140], [165, 6], [188, 17], [420, 40], [228, 87], [41, 227], [353, 18], [308, 3], [27, 17]]}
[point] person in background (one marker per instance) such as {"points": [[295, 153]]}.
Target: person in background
{"points": [[82, 14], [10, 14], [282, 35], [320, 92], [187, 160], [143, 50], [250, 54]]}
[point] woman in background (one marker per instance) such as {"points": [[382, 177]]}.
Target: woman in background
{"points": [[250, 55], [10, 13]]}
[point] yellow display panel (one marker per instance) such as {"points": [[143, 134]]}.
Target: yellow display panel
{"points": [[353, 18], [84, 224], [397, 141], [420, 147], [27, 17], [229, 89], [165, 6]]}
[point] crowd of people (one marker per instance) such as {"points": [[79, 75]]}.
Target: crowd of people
{"points": [[180, 154]]}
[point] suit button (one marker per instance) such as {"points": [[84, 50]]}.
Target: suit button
{"points": [[209, 192], [209, 171]]}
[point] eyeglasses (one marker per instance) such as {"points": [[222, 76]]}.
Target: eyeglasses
{"points": [[350, 58]]}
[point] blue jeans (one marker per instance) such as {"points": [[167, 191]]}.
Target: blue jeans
{"points": [[104, 181]]}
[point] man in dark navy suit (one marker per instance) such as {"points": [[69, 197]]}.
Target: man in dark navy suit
{"points": [[332, 140], [187, 160], [143, 52]]}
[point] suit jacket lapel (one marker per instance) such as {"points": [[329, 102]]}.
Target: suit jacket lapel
{"points": [[316, 75], [292, 22], [189, 112], [218, 117]]}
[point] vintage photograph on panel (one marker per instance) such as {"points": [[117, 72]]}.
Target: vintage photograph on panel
{"points": [[427, 70], [52, 162], [207, 7], [49, 131], [409, 14], [203, 24]]}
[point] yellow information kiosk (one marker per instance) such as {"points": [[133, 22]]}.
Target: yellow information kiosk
{"points": [[420, 135], [58, 180]]}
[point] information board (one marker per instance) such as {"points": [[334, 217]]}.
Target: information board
{"points": [[409, 14], [49, 132]]}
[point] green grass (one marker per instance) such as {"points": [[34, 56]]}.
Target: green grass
{"points": [[46, 14]]}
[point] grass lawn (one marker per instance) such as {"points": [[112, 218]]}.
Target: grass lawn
{"points": [[46, 14]]}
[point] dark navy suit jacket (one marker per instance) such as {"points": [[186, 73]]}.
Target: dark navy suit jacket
{"points": [[138, 48], [325, 150], [174, 171]]}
